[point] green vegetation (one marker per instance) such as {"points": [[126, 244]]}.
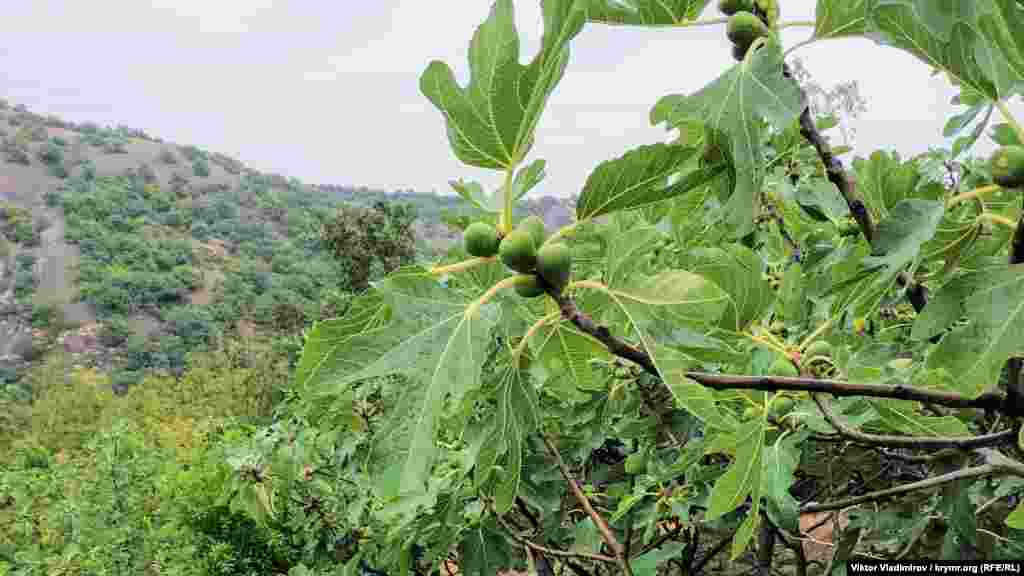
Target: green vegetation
{"points": [[400, 411]]}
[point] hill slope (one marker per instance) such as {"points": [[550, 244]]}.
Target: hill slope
{"points": [[133, 251]]}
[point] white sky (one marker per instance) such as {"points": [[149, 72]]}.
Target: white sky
{"points": [[328, 92]]}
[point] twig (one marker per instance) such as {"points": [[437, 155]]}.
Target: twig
{"points": [[602, 526], [721, 545], [973, 472], [964, 443], [551, 551]]}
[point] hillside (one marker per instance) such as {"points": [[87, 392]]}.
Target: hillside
{"points": [[130, 251]]}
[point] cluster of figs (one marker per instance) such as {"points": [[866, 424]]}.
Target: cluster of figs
{"points": [[525, 250], [744, 26]]}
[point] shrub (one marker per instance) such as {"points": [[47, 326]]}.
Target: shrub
{"points": [[43, 315], [201, 167]]}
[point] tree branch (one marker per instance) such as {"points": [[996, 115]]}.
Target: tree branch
{"points": [[602, 526], [973, 472], [920, 442], [989, 400]]}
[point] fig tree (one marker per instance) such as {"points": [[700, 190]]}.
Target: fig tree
{"points": [[744, 28], [730, 7], [783, 367], [1007, 165], [534, 226], [517, 251], [530, 289], [554, 264], [481, 239]]}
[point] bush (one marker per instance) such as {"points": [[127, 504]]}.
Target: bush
{"points": [[115, 331], [43, 315], [201, 167]]}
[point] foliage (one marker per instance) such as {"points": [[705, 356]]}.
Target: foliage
{"points": [[709, 265], [367, 241]]}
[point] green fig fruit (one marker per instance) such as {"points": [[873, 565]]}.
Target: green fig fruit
{"points": [[782, 406], [783, 367], [530, 289], [744, 28], [730, 7], [1007, 165], [517, 251], [554, 264], [636, 463], [481, 240]]}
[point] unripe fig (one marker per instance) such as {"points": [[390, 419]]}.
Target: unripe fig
{"points": [[782, 406], [530, 289], [481, 239], [818, 348], [783, 367], [517, 251], [744, 28], [1007, 165], [636, 463], [534, 226], [751, 413], [554, 264], [739, 52], [730, 7]]}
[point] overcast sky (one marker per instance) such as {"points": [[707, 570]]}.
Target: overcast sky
{"points": [[328, 92]]}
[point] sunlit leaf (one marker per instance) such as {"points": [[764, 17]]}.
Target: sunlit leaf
{"points": [[644, 12], [838, 18], [491, 122], [734, 104], [435, 338], [975, 354], [639, 178], [738, 271], [744, 474]]}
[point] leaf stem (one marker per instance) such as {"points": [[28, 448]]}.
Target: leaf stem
{"points": [[768, 343], [460, 266], [800, 44], [506, 214], [810, 23], [817, 332], [997, 219], [1005, 111], [693, 23], [566, 230], [506, 283], [977, 192], [533, 330]]}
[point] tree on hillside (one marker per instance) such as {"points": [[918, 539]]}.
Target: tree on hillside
{"points": [[370, 241]]}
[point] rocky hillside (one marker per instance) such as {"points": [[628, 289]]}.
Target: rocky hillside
{"points": [[129, 251]]}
